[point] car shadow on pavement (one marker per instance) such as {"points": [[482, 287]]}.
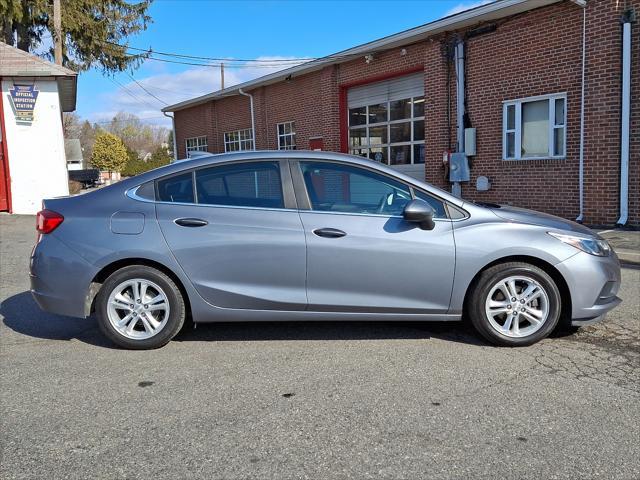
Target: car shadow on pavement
{"points": [[259, 331], [22, 315]]}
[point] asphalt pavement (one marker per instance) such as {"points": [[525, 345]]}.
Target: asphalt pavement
{"points": [[311, 400]]}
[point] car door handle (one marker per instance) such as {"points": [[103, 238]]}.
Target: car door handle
{"points": [[329, 232], [191, 222]]}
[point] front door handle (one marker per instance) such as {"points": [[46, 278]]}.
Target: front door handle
{"points": [[329, 232], [191, 222]]}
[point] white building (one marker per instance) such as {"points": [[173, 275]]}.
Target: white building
{"points": [[33, 96]]}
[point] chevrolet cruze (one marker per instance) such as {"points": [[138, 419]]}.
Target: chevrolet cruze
{"points": [[298, 235]]}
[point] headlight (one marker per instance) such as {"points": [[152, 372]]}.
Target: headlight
{"points": [[593, 246]]}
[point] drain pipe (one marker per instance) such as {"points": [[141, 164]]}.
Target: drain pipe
{"points": [[253, 122], [456, 188], [173, 128], [627, 18], [580, 217]]}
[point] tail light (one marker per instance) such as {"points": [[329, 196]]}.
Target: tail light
{"points": [[48, 220]]}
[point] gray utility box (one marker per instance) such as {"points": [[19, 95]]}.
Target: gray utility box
{"points": [[470, 141], [459, 167]]}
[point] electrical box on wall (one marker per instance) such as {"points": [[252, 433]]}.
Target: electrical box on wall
{"points": [[470, 141], [459, 168]]}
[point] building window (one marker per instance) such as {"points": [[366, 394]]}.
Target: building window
{"points": [[391, 132], [286, 136], [238, 141], [196, 144], [535, 128]]}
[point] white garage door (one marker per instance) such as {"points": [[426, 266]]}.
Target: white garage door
{"points": [[386, 120]]}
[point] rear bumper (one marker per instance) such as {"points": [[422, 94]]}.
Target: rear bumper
{"points": [[593, 283], [60, 278]]}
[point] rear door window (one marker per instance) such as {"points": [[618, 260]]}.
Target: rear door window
{"points": [[249, 184], [176, 189]]}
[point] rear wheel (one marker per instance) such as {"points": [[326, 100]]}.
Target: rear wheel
{"points": [[140, 307], [514, 304]]}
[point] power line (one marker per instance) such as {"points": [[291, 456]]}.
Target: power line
{"points": [[132, 95], [195, 57], [147, 91], [217, 65]]}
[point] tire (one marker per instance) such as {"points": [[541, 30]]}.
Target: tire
{"points": [[489, 309], [156, 318]]}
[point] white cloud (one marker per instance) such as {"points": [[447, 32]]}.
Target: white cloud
{"points": [[461, 7], [177, 87]]}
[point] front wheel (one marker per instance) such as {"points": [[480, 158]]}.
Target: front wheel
{"points": [[140, 308], [514, 304]]}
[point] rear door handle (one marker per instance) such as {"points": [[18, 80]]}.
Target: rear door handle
{"points": [[191, 222], [329, 232]]}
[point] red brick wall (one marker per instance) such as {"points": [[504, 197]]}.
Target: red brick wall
{"points": [[534, 53]]}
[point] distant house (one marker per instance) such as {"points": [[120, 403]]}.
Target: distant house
{"points": [[73, 152], [33, 95]]}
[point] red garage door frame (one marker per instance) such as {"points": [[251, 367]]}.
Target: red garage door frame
{"points": [[5, 178], [342, 102]]}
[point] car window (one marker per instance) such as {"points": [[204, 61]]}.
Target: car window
{"points": [[437, 205], [334, 187], [251, 184], [178, 188]]}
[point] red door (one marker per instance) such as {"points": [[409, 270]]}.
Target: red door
{"points": [[316, 143], [4, 164]]}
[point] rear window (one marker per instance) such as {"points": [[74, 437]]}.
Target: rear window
{"points": [[178, 189]]}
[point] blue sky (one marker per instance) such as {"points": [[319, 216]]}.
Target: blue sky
{"points": [[243, 29]]}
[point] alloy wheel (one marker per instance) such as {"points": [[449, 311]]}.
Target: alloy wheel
{"points": [[517, 306], [138, 309]]}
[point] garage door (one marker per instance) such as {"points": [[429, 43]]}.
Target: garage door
{"points": [[386, 120]]}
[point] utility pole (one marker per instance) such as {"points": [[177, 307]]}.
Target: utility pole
{"points": [[221, 76], [57, 37]]}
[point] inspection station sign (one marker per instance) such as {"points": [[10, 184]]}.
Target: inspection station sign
{"points": [[24, 101]]}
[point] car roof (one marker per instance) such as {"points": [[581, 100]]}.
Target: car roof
{"points": [[215, 158]]}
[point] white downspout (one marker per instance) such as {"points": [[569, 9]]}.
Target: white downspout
{"points": [[173, 127], [626, 109], [580, 217], [253, 122]]}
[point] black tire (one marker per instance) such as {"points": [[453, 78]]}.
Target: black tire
{"points": [[482, 288], [177, 310]]}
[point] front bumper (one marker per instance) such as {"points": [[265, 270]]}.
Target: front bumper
{"points": [[593, 284]]}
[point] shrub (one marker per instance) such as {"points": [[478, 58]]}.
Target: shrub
{"points": [[109, 153]]}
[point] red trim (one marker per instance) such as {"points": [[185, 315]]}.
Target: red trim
{"points": [[5, 153], [344, 127]]}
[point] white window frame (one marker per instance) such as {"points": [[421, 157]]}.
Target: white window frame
{"points": [[243, 137], [388, 123], [517, 130], [282, 145], [199, 144]]}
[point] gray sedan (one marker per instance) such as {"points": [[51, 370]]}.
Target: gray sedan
{"points": [[297, 235]]}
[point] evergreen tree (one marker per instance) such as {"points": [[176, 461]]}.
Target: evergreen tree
{"points": [[93, 30]]}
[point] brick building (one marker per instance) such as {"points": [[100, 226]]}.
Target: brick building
{"points": [[547, 91]]}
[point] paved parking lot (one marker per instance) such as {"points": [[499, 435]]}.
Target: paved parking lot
{"points": [[323, 400]]}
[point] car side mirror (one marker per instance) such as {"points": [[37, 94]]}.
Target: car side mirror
{"points": [[420, 212]]}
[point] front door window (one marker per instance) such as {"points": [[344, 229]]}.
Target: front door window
{"points": [[334, 187]]}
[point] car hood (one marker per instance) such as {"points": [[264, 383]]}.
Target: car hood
{"points": [[531, 217]]}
